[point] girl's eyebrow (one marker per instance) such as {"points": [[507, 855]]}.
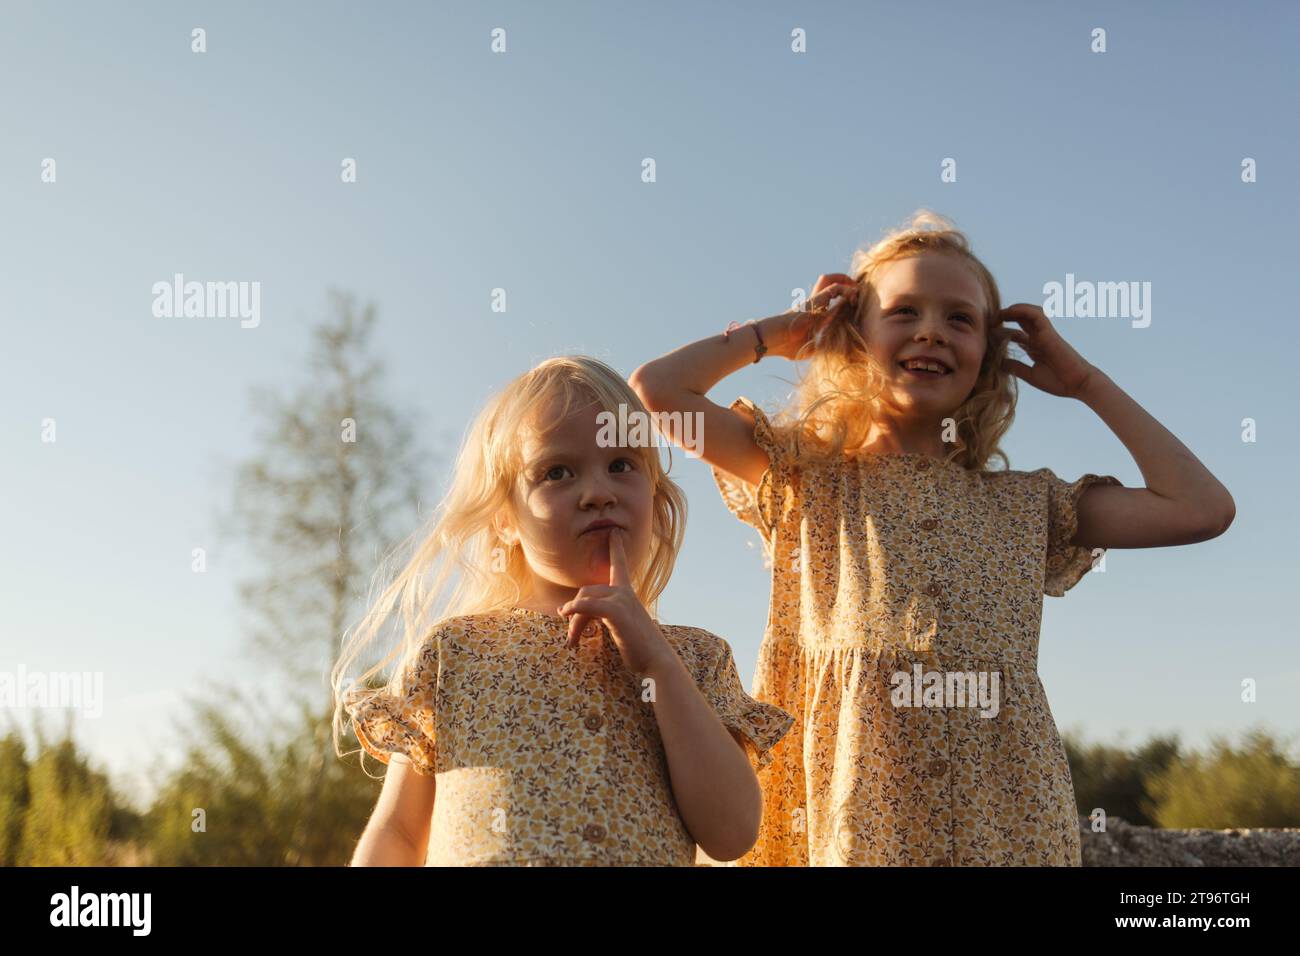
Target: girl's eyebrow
{"points": [[545, 456], [914, 297], [539, 456], [551, 453]]}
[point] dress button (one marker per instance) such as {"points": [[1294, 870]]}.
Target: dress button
{"points": [[933, 589], [922, 464], [593, 720], [938, 767], [929, 524], [593, 833]]}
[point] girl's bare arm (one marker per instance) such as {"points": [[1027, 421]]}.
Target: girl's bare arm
{"points": [[1182, 503], [679, 381], [398, 831], [714, 784]]}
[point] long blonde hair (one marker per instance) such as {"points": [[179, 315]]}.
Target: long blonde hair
{"points": [[837, 398], [463, 535]]}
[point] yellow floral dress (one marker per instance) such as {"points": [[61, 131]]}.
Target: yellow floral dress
{"points": [[894, 575], [544, 755]]}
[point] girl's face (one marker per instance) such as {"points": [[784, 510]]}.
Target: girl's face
{"points": [[568, 482], [928, 305]]}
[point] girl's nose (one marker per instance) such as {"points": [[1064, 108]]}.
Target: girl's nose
{"points": [[597, 493]]}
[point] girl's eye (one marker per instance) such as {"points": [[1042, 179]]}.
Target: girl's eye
{"points": [[908, 308], [627, 461], [546, 475]]}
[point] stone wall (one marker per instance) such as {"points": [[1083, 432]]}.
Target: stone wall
{"points": [[1125, 845]]}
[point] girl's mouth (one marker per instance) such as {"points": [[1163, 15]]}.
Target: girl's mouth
{"points": [[920, 373]]}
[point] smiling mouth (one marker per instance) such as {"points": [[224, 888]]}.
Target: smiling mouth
{"points": [[922, 373]]}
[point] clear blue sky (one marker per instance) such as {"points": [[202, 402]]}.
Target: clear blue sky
{"points": [[523, 171]]}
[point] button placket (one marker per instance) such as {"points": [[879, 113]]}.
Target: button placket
{"points": [[590, 734], [929, 587], [939, 768], [939, 773]]}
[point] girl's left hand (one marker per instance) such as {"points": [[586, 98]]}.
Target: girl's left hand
{"points": [[1058, 369], [640, 642]]}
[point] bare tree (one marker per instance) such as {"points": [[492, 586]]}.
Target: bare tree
{"points": [[335, 483]]}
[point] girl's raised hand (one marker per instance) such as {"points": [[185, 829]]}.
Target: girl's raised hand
{"points": [[1058, 369], [640, 642], [822, 306], [832, 281]]}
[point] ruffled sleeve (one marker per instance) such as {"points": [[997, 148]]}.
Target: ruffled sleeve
{"points": [[403, 722], [760, 507], [760, 725], [1065, 563]]}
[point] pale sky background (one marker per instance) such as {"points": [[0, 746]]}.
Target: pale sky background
{"points": [[522, 171]]}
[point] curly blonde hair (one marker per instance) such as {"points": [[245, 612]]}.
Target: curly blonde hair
{"points": [[836, 399], [464, 534]]}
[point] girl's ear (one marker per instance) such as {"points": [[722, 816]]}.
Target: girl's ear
{"points": [[505, 532]]}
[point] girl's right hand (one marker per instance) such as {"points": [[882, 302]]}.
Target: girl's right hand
{"points": [[790, 330]]}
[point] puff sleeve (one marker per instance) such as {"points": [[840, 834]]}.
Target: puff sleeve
{"points": [[760, 507], [403, 722], [1066, 564], [760, 725]]}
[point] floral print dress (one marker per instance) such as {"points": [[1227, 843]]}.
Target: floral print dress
{"points": [[898, 582], [545, 755]]}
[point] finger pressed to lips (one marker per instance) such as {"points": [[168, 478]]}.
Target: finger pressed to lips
{"points": [[587, 624]]}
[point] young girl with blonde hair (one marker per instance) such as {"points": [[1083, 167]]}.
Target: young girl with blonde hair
{"points": [[540, 714], [908, 578]]}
